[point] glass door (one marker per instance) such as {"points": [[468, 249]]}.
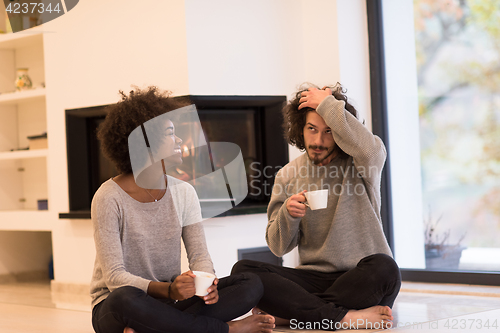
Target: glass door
{"points": [[439, 78], [458, 73]]}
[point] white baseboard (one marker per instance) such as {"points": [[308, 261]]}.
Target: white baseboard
{"points": [[71, 296]]}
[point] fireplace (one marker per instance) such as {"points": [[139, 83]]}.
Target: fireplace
{"points": [[251, 122]]}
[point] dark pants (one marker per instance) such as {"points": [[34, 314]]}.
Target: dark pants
{"points": [[311, 296], [132, 307]]}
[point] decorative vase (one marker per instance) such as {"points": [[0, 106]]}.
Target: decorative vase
{"points": [[443, 257], [23, 81]]}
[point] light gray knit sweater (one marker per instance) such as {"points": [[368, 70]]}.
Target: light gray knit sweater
{"points": [[137, 243], [350, 228]]}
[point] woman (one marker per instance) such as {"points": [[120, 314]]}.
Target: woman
{"points": [[136, 284]]}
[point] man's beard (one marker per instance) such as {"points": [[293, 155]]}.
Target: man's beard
{"points": [[317, 159]]}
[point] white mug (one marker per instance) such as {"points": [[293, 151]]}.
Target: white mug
{"points": [[202, 282], [317, 199]]}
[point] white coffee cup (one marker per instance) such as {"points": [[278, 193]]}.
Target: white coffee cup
{"points": [[317, 199], [202, 282]]}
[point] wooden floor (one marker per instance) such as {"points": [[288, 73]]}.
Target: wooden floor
{"points": [[30, 307]]}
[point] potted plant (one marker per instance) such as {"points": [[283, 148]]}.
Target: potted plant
{"points": [[439, 254]]}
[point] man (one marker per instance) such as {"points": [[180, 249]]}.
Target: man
{"points": [[346, 277]]}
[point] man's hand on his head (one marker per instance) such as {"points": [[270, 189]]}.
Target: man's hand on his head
{"points": [[313, 97], [295, 205]]}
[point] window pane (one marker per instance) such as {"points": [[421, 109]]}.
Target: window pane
{"points": [[458, 69]]}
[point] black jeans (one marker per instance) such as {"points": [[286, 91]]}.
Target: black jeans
{"points": [[311, 296], [132, 307]]}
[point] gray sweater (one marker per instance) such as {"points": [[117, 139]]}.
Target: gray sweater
{"points": [[350, 228], [137, 243]]}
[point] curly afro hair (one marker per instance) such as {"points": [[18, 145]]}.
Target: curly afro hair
{"points": [[123, 117], [295, 119]]}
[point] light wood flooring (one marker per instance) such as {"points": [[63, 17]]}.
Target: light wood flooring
{"points": [[30, 307]]}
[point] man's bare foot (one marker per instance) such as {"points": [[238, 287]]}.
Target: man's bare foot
{"points": [[253, 324], [277, 320], [128, 330], [375, 317]]}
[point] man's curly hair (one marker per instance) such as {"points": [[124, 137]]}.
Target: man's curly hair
{"points": [[125, 116], [295, 119]]}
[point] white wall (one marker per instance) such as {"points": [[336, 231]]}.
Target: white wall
{"points": [[24, 251], [92, 52], [225, 235], [354, 55], [402, 107], [260, 47], [191, 47]]}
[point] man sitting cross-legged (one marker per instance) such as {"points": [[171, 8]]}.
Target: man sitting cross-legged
{"points": [[346, 277]]}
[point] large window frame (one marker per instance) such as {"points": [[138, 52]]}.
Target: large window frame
{"points": [[380, 127]]}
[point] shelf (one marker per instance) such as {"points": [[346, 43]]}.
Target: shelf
{"points": [[23, 154], [13, 98], [26, 220], [20, 39], [81, 214]]}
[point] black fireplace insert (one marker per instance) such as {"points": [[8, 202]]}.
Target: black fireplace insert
{"points": [[251, 122]]}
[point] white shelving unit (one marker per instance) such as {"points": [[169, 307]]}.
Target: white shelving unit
{"points": [[25, 231], [23, 154], [26, 220], [14, 98], [23, 173], [20, 40]]}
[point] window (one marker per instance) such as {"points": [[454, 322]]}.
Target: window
{"points": [[440, 88], [458, 72]]}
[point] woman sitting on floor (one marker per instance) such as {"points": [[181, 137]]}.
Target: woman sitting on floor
{"points": [[137, 285]]}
